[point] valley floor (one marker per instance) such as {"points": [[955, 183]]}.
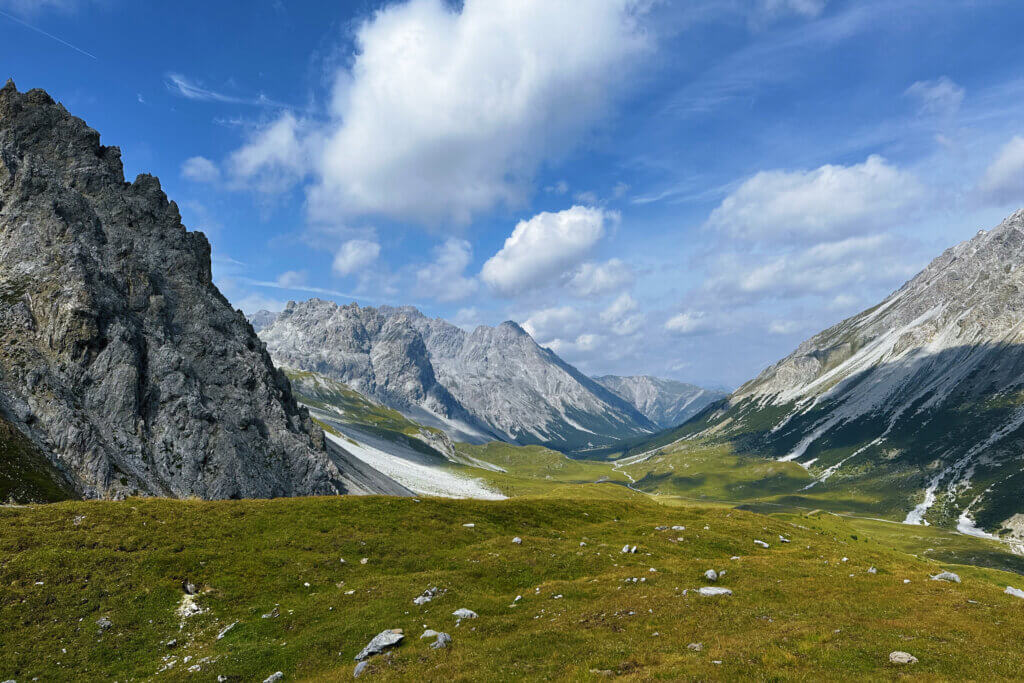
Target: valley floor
{"points": [[94, 591]]}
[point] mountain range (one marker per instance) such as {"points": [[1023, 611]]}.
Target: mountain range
{"points": [[665, 402], [913, 408], [494, 383]]}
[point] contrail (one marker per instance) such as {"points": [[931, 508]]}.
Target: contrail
{"points": [[48, 35]]}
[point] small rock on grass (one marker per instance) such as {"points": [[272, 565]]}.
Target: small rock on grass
{"points": [[104, 623], [517, 540], [695, 647], [443, 641], [902, 658], [360, 669], [381, 642], [712, 591], [463, 613], [711, 575], [760, 543], [274, 677], [429, 633], [1015, 592], [946, 576]]}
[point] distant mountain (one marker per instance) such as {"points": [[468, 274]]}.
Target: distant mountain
{"points": [[913, 408], [261, 319], [123, 370], [665, 402], [492, 383]]}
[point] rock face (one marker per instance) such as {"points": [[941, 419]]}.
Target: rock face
{"points": [[492, 383], [665, 402], [120, 361], [917, 402]]}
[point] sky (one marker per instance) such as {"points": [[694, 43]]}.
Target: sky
{"points": [[681, 189]]}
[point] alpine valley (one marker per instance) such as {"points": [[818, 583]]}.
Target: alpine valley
{"points": [[203, 480]]}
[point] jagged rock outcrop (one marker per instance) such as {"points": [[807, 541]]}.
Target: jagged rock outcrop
{"points": [[916, 403], [120, 361], [665, 402], [492, 383]]}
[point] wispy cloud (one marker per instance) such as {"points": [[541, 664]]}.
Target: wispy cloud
{"points": [[48, 35], [184, 87], [296, 287]]}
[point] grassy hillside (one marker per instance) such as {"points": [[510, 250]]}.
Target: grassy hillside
{"points": [[798, 611], [25, 473]]}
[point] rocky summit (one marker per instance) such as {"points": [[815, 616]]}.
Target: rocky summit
{"points": [[123, 370], [491, 383], [665, 402]]}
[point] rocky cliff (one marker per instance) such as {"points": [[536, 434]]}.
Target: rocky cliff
{"points": [[120, 361]]}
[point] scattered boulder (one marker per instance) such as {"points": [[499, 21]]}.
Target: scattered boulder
{"points": [[902, 658], [428, 595], [364, 560], [272, 614], [946, 576], [189, 587], [629, 549], [429, 633], [382, 641], [712, 591], [224, 631], [470, 525], [695, 647], [760, 543], [274, 677], [104, 623], [783, 539], [679, 527], [360, 669], [872, 570], [711, 575], [443, 641], [517, 540], [1015, 592], [463, 613]]}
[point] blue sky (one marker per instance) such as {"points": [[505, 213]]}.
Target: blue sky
{"points": [[684, 189]]}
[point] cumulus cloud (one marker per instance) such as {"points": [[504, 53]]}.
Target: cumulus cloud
{"points": [[354, 256], [545, 248], [621, 317], [275, 158], [940, 96], [200, 170], [829, 202], [1003, 182], [444, 279], [689, 323], [596, 279], [292, 278], [549, 324], [446, 112]]}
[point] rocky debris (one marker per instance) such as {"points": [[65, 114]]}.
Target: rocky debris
{"points": [[517, 540], [712, 591], [1015, 592], [679, 527], [443, 641], [695, 647], [120, 360], [872, 570], [224, 631], [104, 624], [173, 642], [429, 633], [470, 525], [428, 595], [946, 576], [711, 575], [382, 641], [78, 520], [364, 560], [783, 539], [463, 613], [629, 549], [274, 677], [189, 587], [188, 607], [360, 669], [760, 543], [902, 658], [272, 614], [603, 673]]}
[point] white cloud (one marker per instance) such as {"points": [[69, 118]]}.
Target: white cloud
{"points": [[444, 279], [292, 279], [544, 248], [783, 327], [200, 170], [1003, 182], [689, 323], [275, 158], [554, 323], [621, 316], [807, 8], [595, 279], [940, 96], [445, 113], [183, 86], [355, 255], [829, 202]]}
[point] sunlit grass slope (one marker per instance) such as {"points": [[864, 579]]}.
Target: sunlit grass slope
{"points": [[798, 611]]}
